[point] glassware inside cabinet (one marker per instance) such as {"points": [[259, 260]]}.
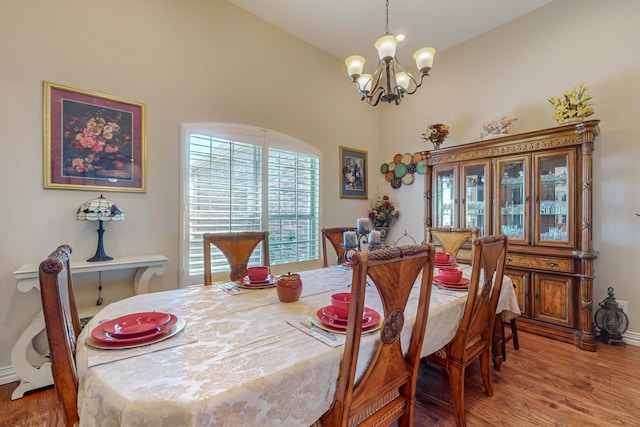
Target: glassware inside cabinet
{"points": [[512, 199], [445, 198], [475, 190], [553, 198]]}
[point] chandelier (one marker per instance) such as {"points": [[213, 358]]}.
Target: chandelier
{"points": [[389, 82]]}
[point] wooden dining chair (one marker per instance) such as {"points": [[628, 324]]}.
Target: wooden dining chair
{"points": [[386, 390], [451, 239], [63, 327], [474, 336], [237, 248], [335, 237]]}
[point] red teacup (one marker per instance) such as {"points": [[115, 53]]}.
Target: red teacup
{"points": [[442, 257], [450, 275], [258, 274], [340, 304]]}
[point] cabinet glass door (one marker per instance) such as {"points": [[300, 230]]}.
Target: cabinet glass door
{"points": [[474, 207], [445, 197], [553, 198], [511, 201]]}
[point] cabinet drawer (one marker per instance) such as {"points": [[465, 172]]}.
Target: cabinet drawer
{"points": [[540, 263]]}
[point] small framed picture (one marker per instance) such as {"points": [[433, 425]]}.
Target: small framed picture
{"points": [[93, 141], [353, 173]]}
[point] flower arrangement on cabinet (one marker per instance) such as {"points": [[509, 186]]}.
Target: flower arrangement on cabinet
{"points": [[382, 212], [498, 126], [573, 105], [436, 133]]}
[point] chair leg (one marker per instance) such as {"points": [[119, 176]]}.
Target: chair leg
{"points": [[503, 341], [514, 334], [485, 370], [456, 382]]}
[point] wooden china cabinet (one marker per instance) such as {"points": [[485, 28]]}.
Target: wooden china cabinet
{"points": [[536, 188]]}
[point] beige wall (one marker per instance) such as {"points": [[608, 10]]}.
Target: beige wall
{"points": [[196, 61], [513, 70], [208, 61]]}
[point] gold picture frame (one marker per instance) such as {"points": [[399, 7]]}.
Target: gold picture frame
{"points": [[93, 141], [353, 173]]}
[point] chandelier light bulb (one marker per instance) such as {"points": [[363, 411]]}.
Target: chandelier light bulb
{"points": [[403, 79], [355, 65], [386, 47], [424, 58], [365, 82]]}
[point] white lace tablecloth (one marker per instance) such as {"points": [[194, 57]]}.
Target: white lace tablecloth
{"points": [[239, 362]]}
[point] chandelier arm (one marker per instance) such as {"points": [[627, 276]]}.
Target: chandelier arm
{"points": [[418, 84], [375, 102], [375, 83], [374, 97]]}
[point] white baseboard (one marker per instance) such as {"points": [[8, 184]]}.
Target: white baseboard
{"points": [[8, 375], [632, 338]]}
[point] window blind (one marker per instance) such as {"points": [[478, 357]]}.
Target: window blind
{"points": [[240, 178], [225, 189]]}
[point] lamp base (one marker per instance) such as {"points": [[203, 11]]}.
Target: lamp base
{"points": [[100, 254], [98, 258]]}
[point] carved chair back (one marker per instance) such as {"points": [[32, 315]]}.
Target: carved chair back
{"points": [[335, 237], [237, 247], [63, 327], [386, 390]]}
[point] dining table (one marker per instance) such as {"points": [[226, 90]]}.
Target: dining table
{"points": [[242, 357]]}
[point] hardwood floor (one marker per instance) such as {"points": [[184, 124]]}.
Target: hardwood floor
{"points": [[545, 383], [36, 409]]}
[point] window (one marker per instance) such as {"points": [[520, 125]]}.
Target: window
{"points": [[230, 184]]}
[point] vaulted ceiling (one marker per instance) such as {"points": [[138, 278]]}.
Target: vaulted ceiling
{"points": [[347, 27]]}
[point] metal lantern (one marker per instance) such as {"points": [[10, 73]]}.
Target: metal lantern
{"points": [[611, 320]]}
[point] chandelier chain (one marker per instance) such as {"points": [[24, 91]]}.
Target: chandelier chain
{"points": [[386, 18]]}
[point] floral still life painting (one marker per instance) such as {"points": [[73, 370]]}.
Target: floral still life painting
{"points": [[93, 141]]}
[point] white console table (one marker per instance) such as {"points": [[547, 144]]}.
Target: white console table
{"points": [[33, 377]]}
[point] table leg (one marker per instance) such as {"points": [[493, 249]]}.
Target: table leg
{"points": [[31, 377]]}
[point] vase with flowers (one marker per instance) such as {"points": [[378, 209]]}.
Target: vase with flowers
{"points": [[382, 213], [573, 107], [436, 133], [498, 126]]}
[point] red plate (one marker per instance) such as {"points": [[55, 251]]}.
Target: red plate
{"points": [[136, 325], [370, 317], [99, 334], [336, 329], [463, 282], [331, 315], [348, 264], [177, 325], [451, 263], [452, 287], [271, 279]]}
